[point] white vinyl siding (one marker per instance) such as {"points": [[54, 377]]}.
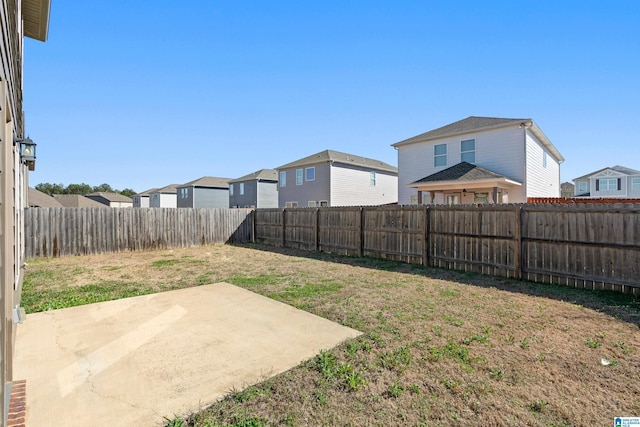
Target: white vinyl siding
{"points": [[352, 187], [540, 181]]}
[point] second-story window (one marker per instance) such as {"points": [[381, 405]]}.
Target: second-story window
{"points": [[231, 189], [298, 176], [440, 155], [242, 188], [468, 150], [372, 178], [283, 179], [310, 174]]}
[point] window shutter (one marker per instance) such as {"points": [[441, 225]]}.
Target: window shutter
{"points": [[619, 184], [597, 185]]}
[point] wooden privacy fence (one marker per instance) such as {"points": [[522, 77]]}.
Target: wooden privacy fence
{"points": [[52, 232], [586, 246]]}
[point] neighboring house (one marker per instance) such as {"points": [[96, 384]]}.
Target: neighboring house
{"points": [[256, 190], [205, 192], [615, 181], [164, 197], [38, 199], [141, 200], [331, 178], [566, 190], [19, 19], [478, 160], [77, 201], [113, 200]]}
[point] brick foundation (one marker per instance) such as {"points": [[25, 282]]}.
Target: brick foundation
{"points": [[18, 405]]}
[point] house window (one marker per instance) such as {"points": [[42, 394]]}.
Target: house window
{"points": [[298, 176], [283, 179], [311, 203], [440, 155], [635, 183], [372, 178], [582, 187], [242, 188], [291, 205], [468, 150], [605, 184], [544, 159], [324, 203], [231, 189], [310, 174]]}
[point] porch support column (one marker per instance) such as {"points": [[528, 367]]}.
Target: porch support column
{"points": [[419, 197], [495, 195], [433, 196]]}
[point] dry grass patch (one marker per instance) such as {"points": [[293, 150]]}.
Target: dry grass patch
{"points": [[439, 347]]}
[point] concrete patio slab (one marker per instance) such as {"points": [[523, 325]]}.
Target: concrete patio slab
{"points": [[133, 361]]}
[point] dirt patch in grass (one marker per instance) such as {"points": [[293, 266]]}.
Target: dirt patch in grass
{"points": [[439, 347]]}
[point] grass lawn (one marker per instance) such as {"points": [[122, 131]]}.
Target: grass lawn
{"points": [[439, 348]]}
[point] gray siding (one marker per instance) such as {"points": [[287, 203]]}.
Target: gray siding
{"points": [[248, 199], [267, 194], [185, 197], [211, 197], [317, 190]]}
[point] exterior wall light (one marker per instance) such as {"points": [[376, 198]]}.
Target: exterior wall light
{"points": [[28, 152]]}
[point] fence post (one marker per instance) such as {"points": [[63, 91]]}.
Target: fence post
{"points": [[317, 230], [361, 248], [427, 248], [254, 225], [519, 241], [284, 240]]}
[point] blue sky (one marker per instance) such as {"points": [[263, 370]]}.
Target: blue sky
{"points": [[143, 94]]}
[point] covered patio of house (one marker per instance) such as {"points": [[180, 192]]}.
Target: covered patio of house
{"points": [[464, 183]]}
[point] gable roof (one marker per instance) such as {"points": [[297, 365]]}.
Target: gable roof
{"points": [[77, 201], [477, 124], [617, 168], [463, 171], [112, 197], [146, 193], [261, 175], [342, 158], [39, 199], [207, 181], [168, 189]]}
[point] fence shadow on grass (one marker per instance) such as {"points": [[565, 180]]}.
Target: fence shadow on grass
{"points": [[621, 306]]}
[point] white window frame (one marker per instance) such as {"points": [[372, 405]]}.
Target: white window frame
{"points": [[544, 159], [311, 203], [470, 154], [231, 189], [582, 187], [372, 178], [324, 203], [635, 183], [242, 188], [439, 157], [299, 176], [291, 205], [311, 170], [283, 179], [608, 181]]}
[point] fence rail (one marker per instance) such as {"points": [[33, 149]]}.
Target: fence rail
{"points": [[587, 246], [53, 232]]}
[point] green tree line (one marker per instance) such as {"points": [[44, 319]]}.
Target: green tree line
{"points": [[82, 189]]}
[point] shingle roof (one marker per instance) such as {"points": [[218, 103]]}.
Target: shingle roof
{"points": [[207, 181], [461, 172], [261, 175], [343, 158], [476, 124], [42, 200], [112, 197], [169, 189], [617, 168], [77, 201], [146, 193]]}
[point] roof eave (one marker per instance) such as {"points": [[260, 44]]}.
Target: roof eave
{"points": [[36, 14], [471, 183]]}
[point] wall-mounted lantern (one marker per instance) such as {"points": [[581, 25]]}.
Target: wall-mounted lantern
{"points": [[28, 152]]}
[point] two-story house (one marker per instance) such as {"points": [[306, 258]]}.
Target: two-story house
{"points": [[205, 192], [478, 160], [141, 200], [164, 197], [332, 178], [256, 190], [614, 181]]}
